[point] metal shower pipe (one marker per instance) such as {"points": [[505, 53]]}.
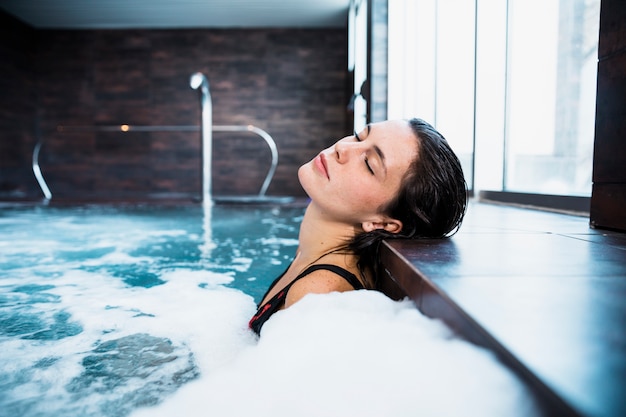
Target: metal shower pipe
{"points": [[199, 81]]}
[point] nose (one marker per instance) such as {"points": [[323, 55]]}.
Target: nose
{"points": [[345, 150]]}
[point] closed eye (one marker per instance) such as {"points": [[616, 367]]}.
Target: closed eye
{"points": [[368, 166]]}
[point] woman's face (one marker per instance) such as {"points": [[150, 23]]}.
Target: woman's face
{"points": [[359, 174]]}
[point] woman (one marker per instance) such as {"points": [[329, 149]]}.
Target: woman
{"points": [[395, 179]]}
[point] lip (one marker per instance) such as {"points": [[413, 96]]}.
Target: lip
{"points": [[320, 164]]}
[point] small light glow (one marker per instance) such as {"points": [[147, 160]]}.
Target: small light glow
{"points": [[124, 128]]}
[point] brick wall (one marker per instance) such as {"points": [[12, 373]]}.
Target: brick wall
{"points": [[17, 108], [289, 82]]}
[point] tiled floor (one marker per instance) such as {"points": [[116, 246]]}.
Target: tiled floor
{"points": [[543, 290]]}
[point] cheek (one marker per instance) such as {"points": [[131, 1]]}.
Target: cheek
{"points": [[367, 195]]}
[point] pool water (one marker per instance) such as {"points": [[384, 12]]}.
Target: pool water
{"points": [[143, 311], [94, 301], [137, 243]]}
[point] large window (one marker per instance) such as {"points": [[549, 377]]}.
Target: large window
{"points": [[357, 58], [511, 84]]}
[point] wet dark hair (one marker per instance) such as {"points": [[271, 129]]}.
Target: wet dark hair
{"points": [[431, 202]]}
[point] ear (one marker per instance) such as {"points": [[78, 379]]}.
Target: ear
{"points": [[388, 224]]}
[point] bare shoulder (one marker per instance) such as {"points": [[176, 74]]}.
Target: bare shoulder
{"points": [[320, 281]]}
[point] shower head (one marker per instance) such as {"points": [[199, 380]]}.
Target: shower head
{"points": [[197, 80]]}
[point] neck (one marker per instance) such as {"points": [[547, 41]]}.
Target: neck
{"points": [[320, 235]]}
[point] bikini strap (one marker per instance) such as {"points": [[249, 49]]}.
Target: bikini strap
{"points": [[344, 273]]}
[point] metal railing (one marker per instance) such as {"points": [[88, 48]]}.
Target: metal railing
{"points": [[124, 128]]}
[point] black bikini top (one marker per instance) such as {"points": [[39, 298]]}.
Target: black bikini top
{"points": [[274, 304]]}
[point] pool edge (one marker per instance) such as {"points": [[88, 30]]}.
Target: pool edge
{"points": [[402, 277]]}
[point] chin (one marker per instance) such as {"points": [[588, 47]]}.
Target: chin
{"points": [[304, 177], [301, 173]]}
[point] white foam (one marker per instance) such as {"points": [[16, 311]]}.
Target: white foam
{"points": [[241, 263], [350, 354], [192, 309], [118, 257], [279, 241]]}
